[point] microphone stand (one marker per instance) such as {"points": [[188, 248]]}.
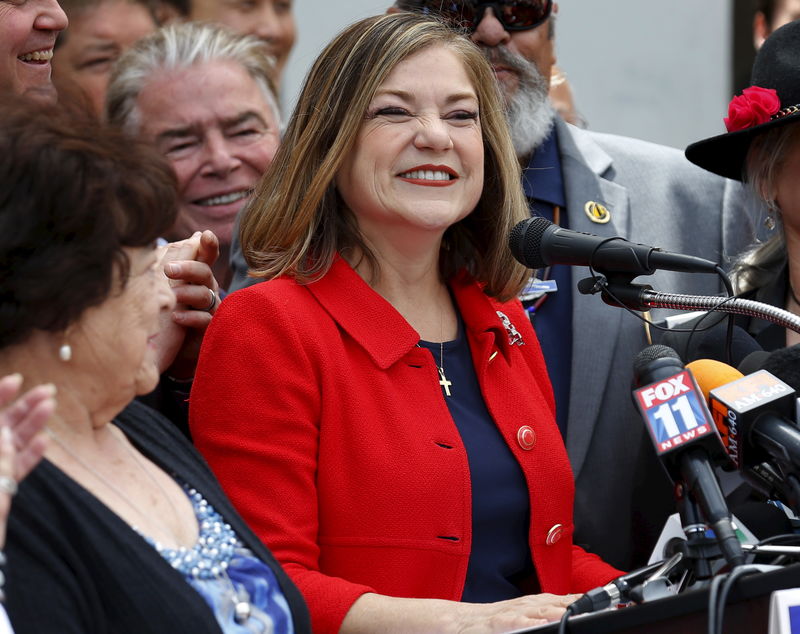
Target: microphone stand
{"points": [[697, 549], [770, 549], [617, 290]]}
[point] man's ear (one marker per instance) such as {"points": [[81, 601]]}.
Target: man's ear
{"points": [[393, 9]]}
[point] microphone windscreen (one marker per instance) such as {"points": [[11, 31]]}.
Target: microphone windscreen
{"points": [[651, 353], [654, 363], [785, 364], [712, 345], [753, 362], [525, 242], [711, 374]]}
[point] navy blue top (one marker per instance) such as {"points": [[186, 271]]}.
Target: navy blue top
{"points": [[543, 183], [500, 560]]}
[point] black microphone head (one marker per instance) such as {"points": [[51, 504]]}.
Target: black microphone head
{"points": [[753, 362], [785, 364], [712, 344], [654, 363], [525, 242], [651, 353]]}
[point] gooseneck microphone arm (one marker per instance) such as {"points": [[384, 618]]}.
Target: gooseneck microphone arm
{"points": [[537, 243], [637, 297]]}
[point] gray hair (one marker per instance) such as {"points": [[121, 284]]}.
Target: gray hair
{"points": [[765, 157], [180, 46]]}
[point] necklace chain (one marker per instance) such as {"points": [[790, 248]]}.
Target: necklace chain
{"points": [[238, 596], [153, 479], [442, 377], [114, 489], [443, 380]]}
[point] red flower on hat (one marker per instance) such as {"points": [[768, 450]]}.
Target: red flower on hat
{"points": [[753, 107]]}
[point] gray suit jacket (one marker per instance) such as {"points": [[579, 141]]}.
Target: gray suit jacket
{"points": [[239, 277], [656, 197]]}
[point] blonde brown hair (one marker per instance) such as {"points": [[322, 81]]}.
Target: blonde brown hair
{"points": [[298, 222], [766, 157]]}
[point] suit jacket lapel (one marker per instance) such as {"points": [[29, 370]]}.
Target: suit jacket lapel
{"points": [[595, 326]]}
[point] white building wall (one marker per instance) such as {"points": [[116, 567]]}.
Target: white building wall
{"points": [[643, 68]]}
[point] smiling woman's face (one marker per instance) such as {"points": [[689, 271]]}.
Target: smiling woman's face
{"points": [[417, 164], [28, 31], [96, 37]]}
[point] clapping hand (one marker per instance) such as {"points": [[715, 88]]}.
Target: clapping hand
{"points": [[187, 264], [22, 441]]}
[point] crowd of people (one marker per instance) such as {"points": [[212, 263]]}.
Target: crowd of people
{"points": [[268, 378]]}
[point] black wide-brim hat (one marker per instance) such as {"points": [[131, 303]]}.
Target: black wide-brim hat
{"points": [[777, 67]]}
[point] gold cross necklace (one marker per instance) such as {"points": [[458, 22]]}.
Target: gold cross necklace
{"points": [[443, 380]]}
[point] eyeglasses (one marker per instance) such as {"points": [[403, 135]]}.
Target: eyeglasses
{"points": [[514, 15]]}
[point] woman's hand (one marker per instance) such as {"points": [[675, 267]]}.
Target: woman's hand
{"points": [[504, 616], [187, 264], [374, 612], [22, 442]]}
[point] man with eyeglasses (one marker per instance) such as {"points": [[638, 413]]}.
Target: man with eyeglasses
{"points": [[606, 185]]}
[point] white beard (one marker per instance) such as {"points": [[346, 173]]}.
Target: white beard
{"points": [[528, 111]]}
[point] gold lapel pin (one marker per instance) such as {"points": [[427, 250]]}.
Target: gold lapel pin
{"points": [[597, 212]]}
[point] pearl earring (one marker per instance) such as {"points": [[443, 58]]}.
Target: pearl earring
{"points": [[65, 352]]}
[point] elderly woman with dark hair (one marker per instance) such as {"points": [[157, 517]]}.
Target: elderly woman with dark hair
{"points": [[122, 528], [379, 409], [762, 148], [28, 32]]}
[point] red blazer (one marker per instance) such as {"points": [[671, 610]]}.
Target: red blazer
{"points": [[328, 429]]}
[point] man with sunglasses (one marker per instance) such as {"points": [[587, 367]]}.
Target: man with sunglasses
{"points": [[606, 185]]}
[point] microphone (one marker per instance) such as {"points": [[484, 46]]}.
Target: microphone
{"points": [[537, 243], [710, 374], [615, 591], [684, 437], [754, 415], [785, 364], [753, 362], [713, 345]]}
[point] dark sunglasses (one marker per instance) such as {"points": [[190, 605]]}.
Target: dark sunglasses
{"points": [[514, 15]]}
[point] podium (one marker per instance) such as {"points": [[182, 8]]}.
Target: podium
{"points": [[746, 611]]}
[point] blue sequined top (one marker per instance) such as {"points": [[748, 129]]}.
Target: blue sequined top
{"points": [[241, 590]]}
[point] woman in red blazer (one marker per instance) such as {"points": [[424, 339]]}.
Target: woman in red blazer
{"points": [[379, 409]]}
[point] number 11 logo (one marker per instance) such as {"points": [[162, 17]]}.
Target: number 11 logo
{"points": [[670, 426]]}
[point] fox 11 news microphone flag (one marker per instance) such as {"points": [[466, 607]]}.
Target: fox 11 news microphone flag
{"points": [[685, 438]]}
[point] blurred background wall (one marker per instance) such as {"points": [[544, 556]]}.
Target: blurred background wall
{"points": [[660, 71]]}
